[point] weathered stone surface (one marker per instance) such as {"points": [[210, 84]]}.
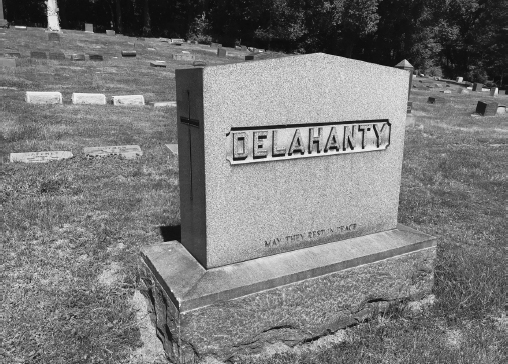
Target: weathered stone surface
{"points": [[215, 220], [486, 108], [288, 298], [124, 151], [161, 64], [184, 57], [129, 100], [162, 103], [7, 62], [34, 97], [88, 28], [40, 157], [88, 99], [173, 148], [110, 32], [78, 57], [128, 53], [436, 100], [38, 54]]}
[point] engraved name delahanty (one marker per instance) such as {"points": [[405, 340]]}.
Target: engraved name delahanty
{"points": [[314, 234], [271, 143]]}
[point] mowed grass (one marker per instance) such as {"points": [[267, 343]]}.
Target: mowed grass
{"points": [[72, 230]]}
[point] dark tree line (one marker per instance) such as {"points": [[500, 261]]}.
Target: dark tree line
{"points": [[440, 37]]}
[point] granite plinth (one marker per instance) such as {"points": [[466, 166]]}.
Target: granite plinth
{"points": [[486, 108], [463, 91], [199, 63], [276, 206], [20, 27], [288, 298]]}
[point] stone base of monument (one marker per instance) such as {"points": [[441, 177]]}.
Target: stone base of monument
{"points": [[287, 298]]}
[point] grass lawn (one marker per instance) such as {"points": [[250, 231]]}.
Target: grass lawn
{"points": [[72, 230]]}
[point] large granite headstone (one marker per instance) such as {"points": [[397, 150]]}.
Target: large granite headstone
{"points": [[486, 108], [289, 194]]}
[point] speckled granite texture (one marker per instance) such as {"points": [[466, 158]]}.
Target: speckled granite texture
{"points": [[317, 303], [228, 212]]}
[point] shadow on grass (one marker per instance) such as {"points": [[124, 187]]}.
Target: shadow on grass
{"points": [[170, 233]]}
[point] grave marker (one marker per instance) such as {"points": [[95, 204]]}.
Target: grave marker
{"points": [[7, 62], [36, 97], [244, 48], [129, 100], [486, 108], [477, 87], [501, 109], [173, 148], [463, 91], [158, 64], [249, 57], [494, 91], [162, 103], [110, 32], [199, 63], [293, 200], [78, 57], [95, 57], [13, 54], [128, 53], [124, 151], [184, 57], [88, 99], [54, 37], [446, 91], [40, 157], [460, 79], [56, 55], [436, 100], [20, 27], [216, 45], [221, 52], [38, 55], [88, 28]]}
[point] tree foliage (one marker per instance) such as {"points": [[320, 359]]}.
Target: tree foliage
{"points": [[454, 37]]}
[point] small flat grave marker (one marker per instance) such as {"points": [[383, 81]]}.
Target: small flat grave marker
{"points": [[7, 62], [151, 49], [199, 63], [40, 157], [221, 52], [124, 151], [436, 100], [184, 57], [54, 37], [173, 148], [486, 108], [13, 54], [38, 55], [35, 97], [177, 40], [129, 100], [158, 64], [162, 103], [88, 99], [463, 91], [446, 91], [110, 32], [501, 109], [56, 55], [20, 27], [128, 53], [78, 57], [96, 57]]}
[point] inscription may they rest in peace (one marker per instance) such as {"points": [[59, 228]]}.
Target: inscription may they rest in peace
{"points": [[270, 143], [309, 235]]}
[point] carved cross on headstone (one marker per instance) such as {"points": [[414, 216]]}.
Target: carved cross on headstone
{"points": [[191, 123]]}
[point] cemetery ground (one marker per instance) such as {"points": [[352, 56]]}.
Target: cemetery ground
{"points": [[72, 229]]}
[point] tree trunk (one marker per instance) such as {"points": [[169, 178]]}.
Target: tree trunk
{"points": [[119, 27], [146, 19]]}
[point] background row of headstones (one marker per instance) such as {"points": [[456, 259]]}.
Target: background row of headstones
{"points": [[45, 97]]}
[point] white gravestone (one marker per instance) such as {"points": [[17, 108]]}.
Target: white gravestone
{"points": [[129, 100], [34, 97], [40, 157], [494, 91], [124, 151], [88, 99], [53, 19]]}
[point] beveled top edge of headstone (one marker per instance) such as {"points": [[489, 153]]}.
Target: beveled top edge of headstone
{"points": [[190, 286]]}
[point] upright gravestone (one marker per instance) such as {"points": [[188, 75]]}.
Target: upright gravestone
{"points": [[88, 28], [494, 91], [53, 19], [477, 87], [460, 79], [221, 52], [110, 32], [288, 208], [486, 108]]}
